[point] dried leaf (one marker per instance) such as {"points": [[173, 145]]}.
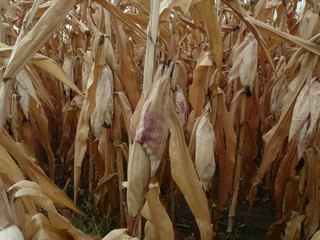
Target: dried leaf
{"points": [[294, 227], [184, 175]]}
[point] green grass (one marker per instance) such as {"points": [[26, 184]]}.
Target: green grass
{"points": [[92, 225]]}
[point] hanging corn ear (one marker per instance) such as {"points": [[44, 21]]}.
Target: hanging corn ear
{"points": [[205, 143], [102, 114], [245, 65], [305, 116], [149, 143]]}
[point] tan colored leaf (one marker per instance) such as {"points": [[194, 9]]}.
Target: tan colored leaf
{"points": [[293, 228], [184, 174], [199, 85], [275, 137], [155, 212], [225, 146], [33, 172], [9, 167], [24, 51]]}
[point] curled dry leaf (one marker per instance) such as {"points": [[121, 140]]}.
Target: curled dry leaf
{"points": [[156, 214], [310, 125], [32, 192], [7, 217]]}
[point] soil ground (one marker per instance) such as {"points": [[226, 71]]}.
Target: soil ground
{"points": [[256, 227]]}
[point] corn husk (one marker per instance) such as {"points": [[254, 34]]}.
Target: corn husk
{"points": [[305, 116], [246, 62], [152, 131], [205, 144], [103, 112], [11, 232]]}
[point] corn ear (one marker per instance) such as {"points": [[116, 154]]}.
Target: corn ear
{"points": [[205, 143]]}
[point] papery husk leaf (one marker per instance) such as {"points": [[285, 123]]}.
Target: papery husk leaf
{"points": [[307, 131], [11, 232], [184, 174], [246, 63], [181, 106], [104, 102], [205, 144], [67, 66]]}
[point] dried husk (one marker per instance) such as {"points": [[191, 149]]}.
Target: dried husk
{"points": [[205, 144], [246, 63], [152, 129]]}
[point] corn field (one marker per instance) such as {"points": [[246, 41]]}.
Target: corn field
{"points": [[141, 106]]}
